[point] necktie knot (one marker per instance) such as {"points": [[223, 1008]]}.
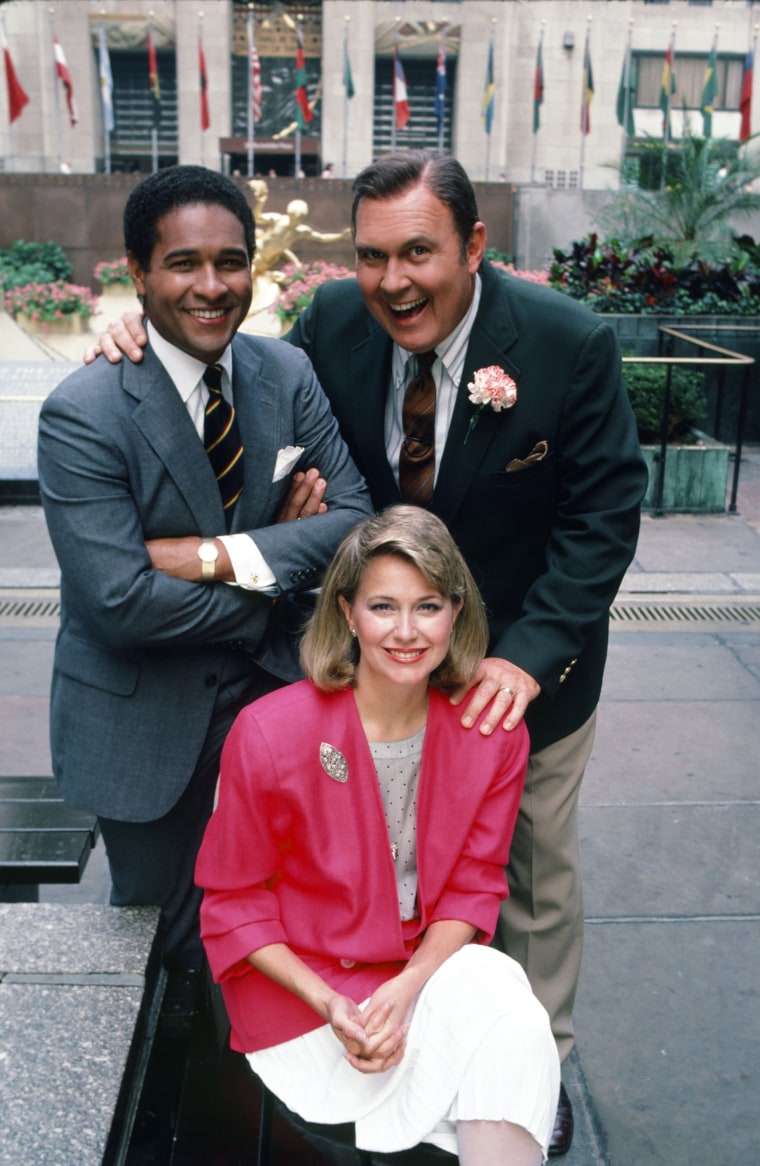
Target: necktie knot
{"points": [[213, 378], [425, 361]]}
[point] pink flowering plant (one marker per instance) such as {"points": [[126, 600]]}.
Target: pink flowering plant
{"points": [[522, 273], [45, 302], [113, 271], [490, 386], [298, 285]]}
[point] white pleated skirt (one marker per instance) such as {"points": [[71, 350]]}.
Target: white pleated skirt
{"points": [[479, 1048]]}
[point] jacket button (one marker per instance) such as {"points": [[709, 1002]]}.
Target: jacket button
{"points": [[210, 680], [348, 963]]}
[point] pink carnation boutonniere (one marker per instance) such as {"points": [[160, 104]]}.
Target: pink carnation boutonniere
{"points": [[490, 386]]}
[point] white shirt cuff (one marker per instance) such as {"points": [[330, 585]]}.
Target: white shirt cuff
{"points": [[251, 570]]}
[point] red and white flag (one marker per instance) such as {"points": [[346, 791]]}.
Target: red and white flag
{"points": [[255, 84], [62, 71], [17, 98], [205, 115], [400, 95]]}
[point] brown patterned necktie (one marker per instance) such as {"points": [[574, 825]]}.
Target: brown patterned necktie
{"points": [[221, 437], [416, 465]]}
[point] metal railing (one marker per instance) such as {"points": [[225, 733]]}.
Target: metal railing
{"points": [[723, 359]]}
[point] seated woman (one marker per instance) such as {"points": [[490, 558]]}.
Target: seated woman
{"points": [[354, 866]]}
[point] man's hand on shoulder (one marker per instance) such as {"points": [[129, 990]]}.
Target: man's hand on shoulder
{"points": [[505, 687], [125, 335]]}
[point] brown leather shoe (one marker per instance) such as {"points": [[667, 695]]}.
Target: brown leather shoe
{"points": [[564, 1124]]}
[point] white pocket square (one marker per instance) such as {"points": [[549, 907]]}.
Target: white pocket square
{"points": [[287, 458]]}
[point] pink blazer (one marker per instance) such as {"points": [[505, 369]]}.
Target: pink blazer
{"points": [[293, 854]]}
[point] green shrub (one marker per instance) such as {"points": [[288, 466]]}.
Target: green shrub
{"points": [[646, 389], [644, 277], [25, 263]]}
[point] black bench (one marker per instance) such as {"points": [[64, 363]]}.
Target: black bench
{"points": [[41, 839]]}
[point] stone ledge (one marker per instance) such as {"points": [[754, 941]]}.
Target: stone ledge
{"points": [[80, 989]]}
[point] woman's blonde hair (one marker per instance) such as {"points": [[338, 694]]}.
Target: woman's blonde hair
{"points": [[329, 653]]}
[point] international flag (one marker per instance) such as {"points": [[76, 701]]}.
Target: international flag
{"points": [[205, 116], [303, 113], [745, 100], [626, 96], [440, 87], [538, 88], [17, 98], [709, 92], [62, 72], [667, 90], [155, 85], [348, 80], [400, 96], [587, 91], [486, 110], [106, 80], [256, 91]]}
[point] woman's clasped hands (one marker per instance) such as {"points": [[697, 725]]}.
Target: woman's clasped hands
{"points": [[375, 1038]]}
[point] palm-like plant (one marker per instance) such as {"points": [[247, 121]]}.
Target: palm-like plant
{"points": [[706, 184]]}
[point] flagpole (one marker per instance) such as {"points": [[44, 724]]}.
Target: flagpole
{"points": [[200, 117], [56, 96], [666, 127], [442, 57], [11, 152], [584, 108], [492, 98], [754, 49], [346, 95], [626, 95], [297, 174], [250, 126], [535, 128], [154, 127], [393, 93], [105, 82]]}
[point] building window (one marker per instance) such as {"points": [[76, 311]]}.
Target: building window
{"points": [[689, 74], [421, 131], [132, 136]]}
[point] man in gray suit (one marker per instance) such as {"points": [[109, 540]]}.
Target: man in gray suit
{"points": [[178, 571]]}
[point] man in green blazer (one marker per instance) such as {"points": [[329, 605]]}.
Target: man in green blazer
{"points": [[542, 496]]}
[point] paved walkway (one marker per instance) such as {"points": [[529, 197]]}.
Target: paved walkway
{"points": [[666, 1070]]}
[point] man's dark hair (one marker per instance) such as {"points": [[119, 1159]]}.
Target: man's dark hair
{"points": [[173, 187], [445, 177]]}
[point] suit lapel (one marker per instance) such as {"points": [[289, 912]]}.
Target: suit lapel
{"points": [[257, 406], [161, 416], [370, 374], [493, 333]]}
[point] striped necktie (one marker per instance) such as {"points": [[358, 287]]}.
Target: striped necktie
{"points": [[221, 437], [416, 465]]}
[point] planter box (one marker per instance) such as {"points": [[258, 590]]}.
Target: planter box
{"points": [[696, 477], [66, 326]]}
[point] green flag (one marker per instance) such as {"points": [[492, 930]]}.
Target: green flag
{"points": [[709, 92], [348, 80], [627, 96]]}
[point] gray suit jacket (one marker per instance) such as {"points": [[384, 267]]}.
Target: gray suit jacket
{"points": [[139, 654]]}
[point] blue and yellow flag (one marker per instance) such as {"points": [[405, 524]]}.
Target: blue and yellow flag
{"points": [[709, 92], [486, 113]]}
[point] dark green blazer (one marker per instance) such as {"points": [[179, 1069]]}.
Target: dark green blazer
{"points": [[549, 543]]}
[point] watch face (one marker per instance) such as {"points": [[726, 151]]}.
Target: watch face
{"points": [[208, 552]]}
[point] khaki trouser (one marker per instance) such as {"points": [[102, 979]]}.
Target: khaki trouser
{"points": [[541, 924]]}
